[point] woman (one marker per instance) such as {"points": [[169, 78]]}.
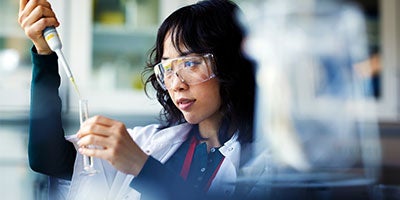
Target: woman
{"points": [[206, 87]]}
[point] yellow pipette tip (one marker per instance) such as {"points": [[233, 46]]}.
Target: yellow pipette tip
{"points": [[75, 86]]}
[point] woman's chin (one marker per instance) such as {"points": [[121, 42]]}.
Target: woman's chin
{"points": [[191, 120]]}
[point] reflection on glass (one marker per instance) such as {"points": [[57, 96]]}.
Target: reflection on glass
{"points": [[371, 68], [15, 63], [312, 128]]}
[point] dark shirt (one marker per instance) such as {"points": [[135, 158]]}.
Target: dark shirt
{"points": [[164, 178]]}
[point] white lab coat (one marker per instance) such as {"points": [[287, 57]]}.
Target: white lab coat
{"points": [[161, 144]]}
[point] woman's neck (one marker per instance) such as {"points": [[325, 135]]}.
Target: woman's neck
{"points": [[210, 131]]}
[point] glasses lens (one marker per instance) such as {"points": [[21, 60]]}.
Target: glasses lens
{"points": [[159, 72], [191, 70], [194, 70]]}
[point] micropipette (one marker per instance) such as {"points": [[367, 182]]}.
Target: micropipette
{"points": [[53, 40]]}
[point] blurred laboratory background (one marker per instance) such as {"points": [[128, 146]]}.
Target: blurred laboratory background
{"points": [[107, 44]]}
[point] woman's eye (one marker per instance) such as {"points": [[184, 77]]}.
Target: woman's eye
{"points": [[191, 63]]}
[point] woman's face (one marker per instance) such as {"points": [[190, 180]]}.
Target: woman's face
{"points": [[198, 103]]}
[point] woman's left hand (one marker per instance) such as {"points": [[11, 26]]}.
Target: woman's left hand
{"points": [[119, 149]]}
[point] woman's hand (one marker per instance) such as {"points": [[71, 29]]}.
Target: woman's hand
{"points": [[34, 16], [118, 147]]}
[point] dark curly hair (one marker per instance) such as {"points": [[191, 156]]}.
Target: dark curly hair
{"points": [[210, 27]]}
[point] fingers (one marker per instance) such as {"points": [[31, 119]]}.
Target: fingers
{"points": [[93, 128], [99, 146], [25, 10], [116, 145], [40, 13], [102, 126], [37, 13], [125, 155], [22, 4], [36, 26], [95, 140], [34, 16], [101, 120], [102, 131]]}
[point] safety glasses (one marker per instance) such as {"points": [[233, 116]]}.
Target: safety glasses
{"points": [[192, 70]]}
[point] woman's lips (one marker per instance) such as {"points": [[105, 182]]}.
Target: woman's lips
{"points": [[185, 104]]}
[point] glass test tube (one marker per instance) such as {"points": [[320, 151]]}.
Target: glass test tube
{"points": [[88, 164]]}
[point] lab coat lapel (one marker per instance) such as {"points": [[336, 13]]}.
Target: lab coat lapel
{"points": [[166, 142], [227, 174], [161, 145]]}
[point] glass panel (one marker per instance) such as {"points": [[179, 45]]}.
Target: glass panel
{"points": [[371, 68], [314, 128], [15, 70], [124, 31], [17, 180]]}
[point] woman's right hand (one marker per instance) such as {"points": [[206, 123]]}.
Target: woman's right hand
{"points": [[34, 16]]}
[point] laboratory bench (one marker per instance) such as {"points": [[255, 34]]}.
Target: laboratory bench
{"points": [[390, 145]]}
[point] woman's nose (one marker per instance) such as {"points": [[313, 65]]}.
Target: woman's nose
{"points": [[178, 83]]}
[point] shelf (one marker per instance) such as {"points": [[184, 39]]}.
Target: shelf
{"points": [[121, 102], [119, 39], [123, 29]]}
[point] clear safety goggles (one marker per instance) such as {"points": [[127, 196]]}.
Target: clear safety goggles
{"points": [[191, 70]]}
